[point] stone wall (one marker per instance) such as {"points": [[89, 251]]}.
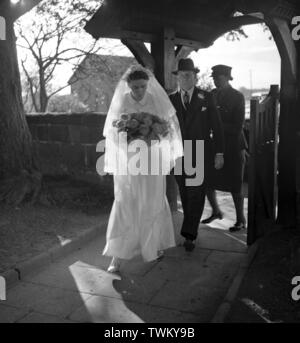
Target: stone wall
{"points": [[66, 143]]}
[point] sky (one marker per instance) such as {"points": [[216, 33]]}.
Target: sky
{"points": [[256, 55]]}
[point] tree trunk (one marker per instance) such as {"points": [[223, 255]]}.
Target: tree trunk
{"points": [[43, 92], [19, 175]]}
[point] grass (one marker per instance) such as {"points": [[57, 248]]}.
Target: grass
{"points": [[66, 209]]}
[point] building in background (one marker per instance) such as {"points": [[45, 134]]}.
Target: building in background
{"points": [[95, 79]]}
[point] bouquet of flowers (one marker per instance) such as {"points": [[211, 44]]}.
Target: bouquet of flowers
{"points": [[145, 126]]}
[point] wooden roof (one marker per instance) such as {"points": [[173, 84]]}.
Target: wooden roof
{"points": [[193, 21]]}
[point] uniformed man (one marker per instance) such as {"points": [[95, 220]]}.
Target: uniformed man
{"points": [[231, 105]]}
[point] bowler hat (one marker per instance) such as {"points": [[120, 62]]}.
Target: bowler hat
{"points": [[186, 64], [221, 69]]}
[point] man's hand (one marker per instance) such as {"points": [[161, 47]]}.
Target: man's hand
{"points": [[219, 161]]}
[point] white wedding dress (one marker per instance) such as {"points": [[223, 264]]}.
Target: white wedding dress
{"points": [[140, 221]]}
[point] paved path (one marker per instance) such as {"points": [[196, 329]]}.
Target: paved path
{"points": [[181, 288]]}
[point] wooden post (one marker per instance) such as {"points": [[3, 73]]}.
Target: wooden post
{"points": [[254, 108], [298, 137], [163, 52], [287, 122], [286, 155]]}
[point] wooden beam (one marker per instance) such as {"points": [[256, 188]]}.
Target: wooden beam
{"points": [[285, 44], [144, 37], [229, 25], [287, 121], [148, 38], [140, 52], [182, 52], [284, 10], [195, 45], [151, 38], [163, 51], [277, 8]]}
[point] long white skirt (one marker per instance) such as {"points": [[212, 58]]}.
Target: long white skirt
{"points": [[140, 220]]}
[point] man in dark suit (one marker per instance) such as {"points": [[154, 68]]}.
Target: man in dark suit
{"points": [[231, 105], [199, 121]]}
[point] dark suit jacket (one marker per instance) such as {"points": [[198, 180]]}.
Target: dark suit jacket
{"points": [[202, 120]]}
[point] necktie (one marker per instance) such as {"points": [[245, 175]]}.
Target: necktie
{"points": [[186, 99]]}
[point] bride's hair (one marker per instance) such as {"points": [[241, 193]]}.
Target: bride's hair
{"points": [[137, 73]]}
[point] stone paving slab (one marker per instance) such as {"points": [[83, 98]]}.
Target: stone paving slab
{"points": [[218, 239], [92, 257], [100, 309], [189, 296], [228, 259], [187, 267], [35, 317], [157, 314], [99, 282], [45, 299], [214, 236], [212, 275], [10, 314], [180, 253], [87, 254]]}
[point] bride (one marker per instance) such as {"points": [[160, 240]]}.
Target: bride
{"points": [[140, 221]]}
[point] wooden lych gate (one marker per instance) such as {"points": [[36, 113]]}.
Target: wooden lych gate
{"points": [[173, 29], [263, 148]]}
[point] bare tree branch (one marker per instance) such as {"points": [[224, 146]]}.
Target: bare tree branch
{"points": [[31, 87], [58, 90], [50, 28]]}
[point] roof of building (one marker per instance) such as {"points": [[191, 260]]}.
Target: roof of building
{"points": [[102, 64]]}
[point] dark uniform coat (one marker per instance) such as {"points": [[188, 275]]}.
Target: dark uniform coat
{"points": [[231, 105], [199, 121]]}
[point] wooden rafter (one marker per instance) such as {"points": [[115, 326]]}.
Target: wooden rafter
{"points": [[140, 52], [182, 51], [285, 43]]}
